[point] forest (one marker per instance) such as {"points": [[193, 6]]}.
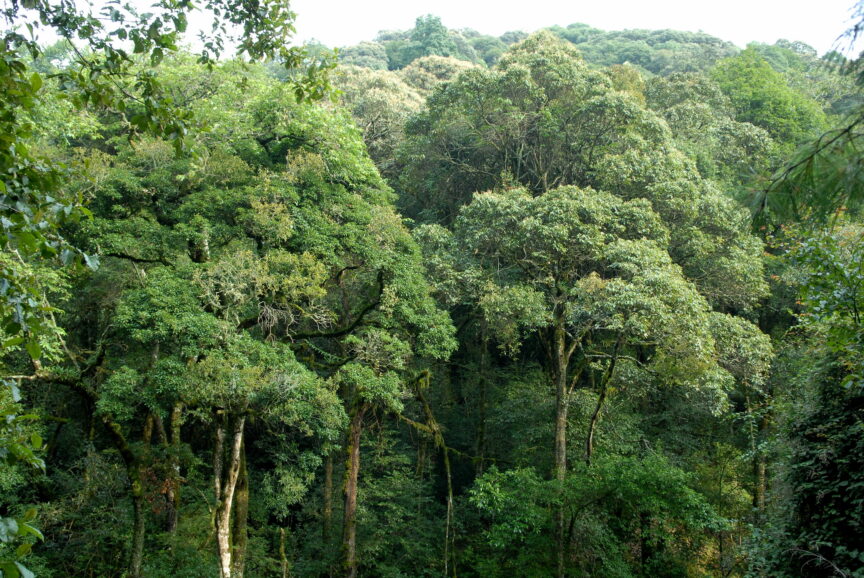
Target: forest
{"points": [[566, 303]]}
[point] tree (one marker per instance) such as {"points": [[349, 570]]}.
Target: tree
{"points": [[542, 119], [660, 52], [366, 54], [630, 516], [819, 78], [432, 37], [428, 72], [239, 293], [703, 125], [102, 76], [761, 96], [819, 441], [488, 48], [380, 103], [33, 202], [588, 276]]}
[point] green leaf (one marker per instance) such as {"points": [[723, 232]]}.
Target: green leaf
{"points": [[33, 349], [156, 57], [12, 342], [36, 441], [24, 572], [8, 529], [27, 529], [92, 261], [10, 570], [36, 82]]}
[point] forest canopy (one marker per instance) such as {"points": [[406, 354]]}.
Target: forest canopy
{"points": [[567, 303]]}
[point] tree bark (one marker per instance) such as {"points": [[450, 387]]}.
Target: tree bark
{"points": [[601, 399], [757, 429], [283, 558], [352, 471], [481, 410], [592, 424], [136, 492], [226, 474], [327, 510], [760, 467], [138, 532], [173, 494], [560, 360], [239, 532]]}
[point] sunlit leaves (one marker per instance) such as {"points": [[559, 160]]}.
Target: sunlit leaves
{"points": [[601, 260]]}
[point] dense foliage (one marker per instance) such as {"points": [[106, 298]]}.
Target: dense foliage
{"points": [[495, 308]]}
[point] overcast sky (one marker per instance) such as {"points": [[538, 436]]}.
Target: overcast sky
{"points": [[346, 22]]}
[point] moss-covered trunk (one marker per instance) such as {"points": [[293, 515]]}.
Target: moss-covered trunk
{"points": [[352, 472]]}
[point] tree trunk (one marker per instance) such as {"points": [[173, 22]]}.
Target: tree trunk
{"points": [[760, 467], [283, 558], [352, 471], [138, 530], [225, 476], [759, 498], [592, 424], [757, 429], [327, 510], [136, 492], [601, 399], [173, 494], [560, 361], [481, 410], [239, 532]]}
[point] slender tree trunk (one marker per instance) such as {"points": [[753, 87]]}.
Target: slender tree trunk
{"points": [[283, 558], [760, 467], [147, 435], [327, 510], [759, 498], [435, 429], [239, 532], [757, 427], [138, 532], [481, 413], [226, 474], [559, 357], [159, 428], [592, 424], [601, 399], [352, 471], [173, 494], [136, 492]]}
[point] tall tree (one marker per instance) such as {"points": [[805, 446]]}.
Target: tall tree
{"points": [[761, 96], [590, 277]]}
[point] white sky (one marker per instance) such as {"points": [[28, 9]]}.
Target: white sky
{"points": [[816, 22]]}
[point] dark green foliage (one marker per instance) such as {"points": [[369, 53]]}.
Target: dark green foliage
{"points": [[825, 473], [628, 516], [429, 37], [257, 315], [813, 528]]}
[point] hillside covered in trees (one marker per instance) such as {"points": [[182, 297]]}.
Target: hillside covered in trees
{"points": [[567, 303]]}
